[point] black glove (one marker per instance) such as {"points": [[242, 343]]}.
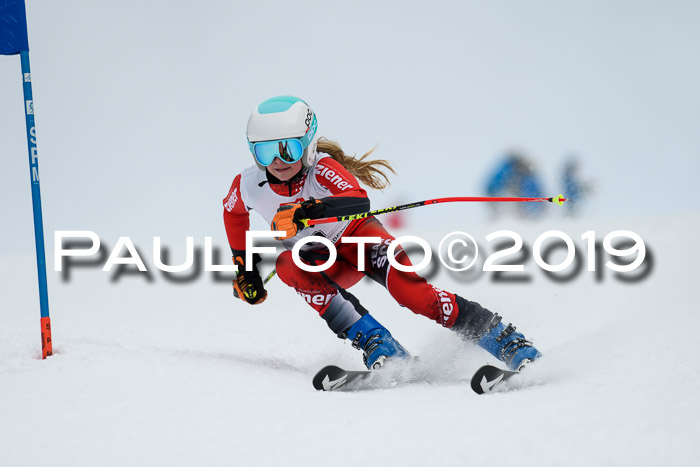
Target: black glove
{"points": [[312, 209], [248, 285]]}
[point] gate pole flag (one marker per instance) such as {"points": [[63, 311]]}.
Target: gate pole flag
{"points": [[13, 41]]}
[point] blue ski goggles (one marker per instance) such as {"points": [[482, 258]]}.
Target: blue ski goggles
{"points": [[287, 150]]}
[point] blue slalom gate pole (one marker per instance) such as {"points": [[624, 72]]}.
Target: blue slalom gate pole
{"points": [[14, 40], [46, 345]]}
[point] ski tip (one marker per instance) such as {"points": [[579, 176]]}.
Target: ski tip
{"points": [[326, 377], [488, 377], [476, 387]]}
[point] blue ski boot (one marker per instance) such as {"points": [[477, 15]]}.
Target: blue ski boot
{"points": [[477, 324], [507, 345], [375, 341]]}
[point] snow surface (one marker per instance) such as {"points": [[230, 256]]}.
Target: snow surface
{"points": [[160, 374], [141, 109]]}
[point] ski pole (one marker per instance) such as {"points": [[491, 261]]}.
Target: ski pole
{"points": [[14, 40], [481, 199], [270, 276], [461, 199]]}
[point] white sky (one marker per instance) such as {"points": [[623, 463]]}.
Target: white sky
{"points": [[141, 106]]}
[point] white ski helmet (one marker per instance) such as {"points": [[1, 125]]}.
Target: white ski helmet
{"points": [[283, 117]]}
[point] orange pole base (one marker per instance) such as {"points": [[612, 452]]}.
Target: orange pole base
{"points": [[46, 346]]}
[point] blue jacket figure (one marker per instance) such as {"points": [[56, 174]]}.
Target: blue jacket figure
{"points": [[515, 176], [575, 188]]}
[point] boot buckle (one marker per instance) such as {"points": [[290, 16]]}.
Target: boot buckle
{"points": [[506, 332]]}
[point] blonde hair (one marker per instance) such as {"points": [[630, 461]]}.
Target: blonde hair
{"points": [[368, 172]]}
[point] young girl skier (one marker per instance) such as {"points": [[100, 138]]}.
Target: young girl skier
{"points": [[298, 175]]}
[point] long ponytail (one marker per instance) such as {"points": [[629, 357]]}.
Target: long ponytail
{"points": [[369, 172]]}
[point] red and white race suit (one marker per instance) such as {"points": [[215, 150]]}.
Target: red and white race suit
{"points": [[326, 291]]}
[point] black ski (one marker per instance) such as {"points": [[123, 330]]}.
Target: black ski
{"points": [[333, 378], [488, 377]]}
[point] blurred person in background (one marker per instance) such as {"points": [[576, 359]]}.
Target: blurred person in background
{"points": [[515, 176], [576, 189]]}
